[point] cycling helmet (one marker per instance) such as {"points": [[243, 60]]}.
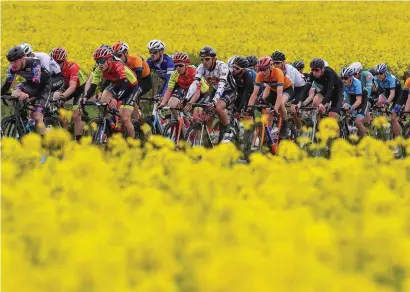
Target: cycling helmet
{"points": [[373, 71], [180, 58], [346, 72], [59, 54], [103, 52], [381, 68], [278, 56], [231, 60], [252, 60], [26, 48], [299, 64], [207, 52], [264, 62], [15, 53], [119, 47], [241, 62], [155, 45], [356, 67], [317, 63]]}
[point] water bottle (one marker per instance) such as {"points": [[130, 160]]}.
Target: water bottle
{"points": [[30, 125]]}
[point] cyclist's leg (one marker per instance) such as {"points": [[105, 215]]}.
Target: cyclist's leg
{"points": [[407, 107], [360, 116], [41, 102], [398, 100], [336, 102], [126, 109], [78, 123], [293, 111]]}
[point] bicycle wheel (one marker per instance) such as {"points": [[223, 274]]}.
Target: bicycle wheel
{"points": [[51, 123], [406, 131], [197, 135], [10, 127], [171, 131], [255, 140], [99, 130], [139, 131]]}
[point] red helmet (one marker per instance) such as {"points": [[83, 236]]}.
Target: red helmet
{"points": [[264, 62], [180, 58], [59, 54], [103, 52], [119, 47]]}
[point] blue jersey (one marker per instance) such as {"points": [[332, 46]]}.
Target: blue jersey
{"points": [[390, 82], [163, 70], [355, 89], [367, 81], [252, 73]]}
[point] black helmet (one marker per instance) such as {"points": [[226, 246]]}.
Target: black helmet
{"points": [[299, 64], [15, 53], [252, 60], [207, 52], [278, 56], [317, 63], [241, 62], [373, 71]]}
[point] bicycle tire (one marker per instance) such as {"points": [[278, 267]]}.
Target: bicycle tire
{"points": [[52, 122], [95, 139], [406, 131], [11, 128], [204, 140], [139, 132], [254, 141], [171, 131]]}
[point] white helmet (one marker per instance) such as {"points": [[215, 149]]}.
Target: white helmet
{"points": [[26, 48], [326, 63], [356, 67], [156, 45]]}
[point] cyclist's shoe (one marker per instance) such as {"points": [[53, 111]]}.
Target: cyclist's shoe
{"points": [[284, 130], [228, 135]]}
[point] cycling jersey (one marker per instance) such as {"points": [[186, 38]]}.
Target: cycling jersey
{"points": [[294, 75], [367, 81], [163, 70], [116, 71], [244, 86], [185, 81], [252, 73], [33, 72], [48, 63], [218, 77], [407, 83], [275, 79], [138, 64], [326, 84], [390, 82], [72, 72], [355, 89]]}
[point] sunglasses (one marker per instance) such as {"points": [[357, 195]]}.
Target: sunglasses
{"points": [[379, 74], [153, 52], [345, 78], [179, 65], [100, 61], [206, 59], [263, 69], [316, 69], [277, 63], [118, 55], [236, 68], [60, 62]]}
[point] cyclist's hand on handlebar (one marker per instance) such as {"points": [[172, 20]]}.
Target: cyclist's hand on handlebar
{"points": [[23, 96], [112, 104]]}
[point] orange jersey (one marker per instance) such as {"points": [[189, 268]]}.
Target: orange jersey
{"points": [[136, 63], [407, 84], [275, 79]]}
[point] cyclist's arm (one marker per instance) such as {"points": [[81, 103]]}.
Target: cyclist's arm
{"points": [[8, 82], [170, 69], [96, 79], [248, 87], [329, 88], [197, 80], [254, 95], [279, 92], [306, 93], [222, 79], [358, 101], [72, 83]]}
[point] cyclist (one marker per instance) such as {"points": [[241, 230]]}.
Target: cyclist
{"points": [[135, 63], [300, 66], [278, 90], [244, 81], [160, 63], [123, 85], [252, 61], [217, 74], [406, 95], [47, 62], [364, 76], [328, 88], [73, 88], [390, 92], [355, 97], [180, 81], [36, 84], [298, 80]]}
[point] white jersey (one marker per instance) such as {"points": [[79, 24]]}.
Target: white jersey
{"points": [[48, 63], [218, 77], [297, 78]]}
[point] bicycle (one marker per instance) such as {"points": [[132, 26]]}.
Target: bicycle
{"points": [[106, 127], [177, 127], [19, 124]]}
